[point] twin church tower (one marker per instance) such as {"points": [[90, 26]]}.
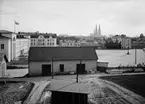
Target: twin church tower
{"points": [[97, 32]]}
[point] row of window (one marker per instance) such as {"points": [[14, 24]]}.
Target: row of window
{"points": [[42, 40], [49, 44]]}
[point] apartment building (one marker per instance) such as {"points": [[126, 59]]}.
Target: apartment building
{"points": [[43, 40]]}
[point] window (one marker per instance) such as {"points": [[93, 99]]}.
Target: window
{"points": [[61, 67], [2, 46]]}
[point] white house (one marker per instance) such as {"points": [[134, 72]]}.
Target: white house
{"points": [[44, 40], [11, 44], [3, 61], [45, 60]]}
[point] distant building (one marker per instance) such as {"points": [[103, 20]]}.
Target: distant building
{"points": [[69, 43], [138, 43], [44, 40], [12, 45], [61, 59], [125, 41], [3, 64], [22, 45]]}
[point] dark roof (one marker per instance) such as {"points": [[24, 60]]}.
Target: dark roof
{"points": [[45, 35], [5, 32], [61, 53], [3, 55], [4, 37], [21, 37]]}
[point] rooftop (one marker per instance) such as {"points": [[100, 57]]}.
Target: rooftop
{"points": [[4, 37], [62, 53], [45, 35], [5, 32]]}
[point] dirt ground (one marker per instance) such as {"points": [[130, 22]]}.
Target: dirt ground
{"points": [[14, 92], [105, 92], [100, 91]]}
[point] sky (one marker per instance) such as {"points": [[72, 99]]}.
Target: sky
{"points": [[74, 17]]}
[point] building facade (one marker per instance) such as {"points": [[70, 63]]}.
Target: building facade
{"points": [[44, 40], [69, 43], [3, 65], [12, 45], [22, 45], [125, 41], [43, 60]]}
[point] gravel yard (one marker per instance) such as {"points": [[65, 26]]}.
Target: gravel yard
{"points": [[12, 92]]}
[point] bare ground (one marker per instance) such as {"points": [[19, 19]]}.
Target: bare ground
{"points": [[14, 92], [105, 92]]}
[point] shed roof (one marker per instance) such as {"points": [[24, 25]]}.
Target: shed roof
{"points": [[61, 53]]}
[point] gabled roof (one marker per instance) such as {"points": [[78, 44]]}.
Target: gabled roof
{"points": [[45, 35], [61, 53], [5, 32], [3, 55]]}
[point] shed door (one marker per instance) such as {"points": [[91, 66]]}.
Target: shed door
{"points": [[46, 70], [81, 68]]}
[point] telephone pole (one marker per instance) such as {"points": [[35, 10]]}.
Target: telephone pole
{"points": [[52, 67], [135, 56]]}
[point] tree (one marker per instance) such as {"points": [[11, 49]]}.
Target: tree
{"points": [[141, 35]]}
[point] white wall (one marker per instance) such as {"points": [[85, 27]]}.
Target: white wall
{"points": [[2, 68], [35, 68], [7, 47], [22, 44]]}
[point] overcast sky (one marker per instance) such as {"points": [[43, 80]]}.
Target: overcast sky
{"points": [[74, 17]]}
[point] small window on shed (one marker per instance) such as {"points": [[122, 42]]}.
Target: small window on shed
{"points": [[61, 67], [2, 46]]}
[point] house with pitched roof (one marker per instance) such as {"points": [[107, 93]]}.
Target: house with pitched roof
{"points": [[3, 61], [45, 60], [44, 40]]}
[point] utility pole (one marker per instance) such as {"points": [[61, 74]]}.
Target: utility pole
{"points": [[135, 56], [52, 67], [77, 78]]}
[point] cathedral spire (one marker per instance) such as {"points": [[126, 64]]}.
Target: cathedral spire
{"points": [[96, 31], [99, 30]]}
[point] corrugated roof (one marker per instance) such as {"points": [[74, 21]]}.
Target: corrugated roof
{"points": [[5, 32], [61, 53]]}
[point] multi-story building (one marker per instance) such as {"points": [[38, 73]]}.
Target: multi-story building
{"points": [[43, 40], [125, 41], [12, 45], [22, 45], [69, 43]]}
